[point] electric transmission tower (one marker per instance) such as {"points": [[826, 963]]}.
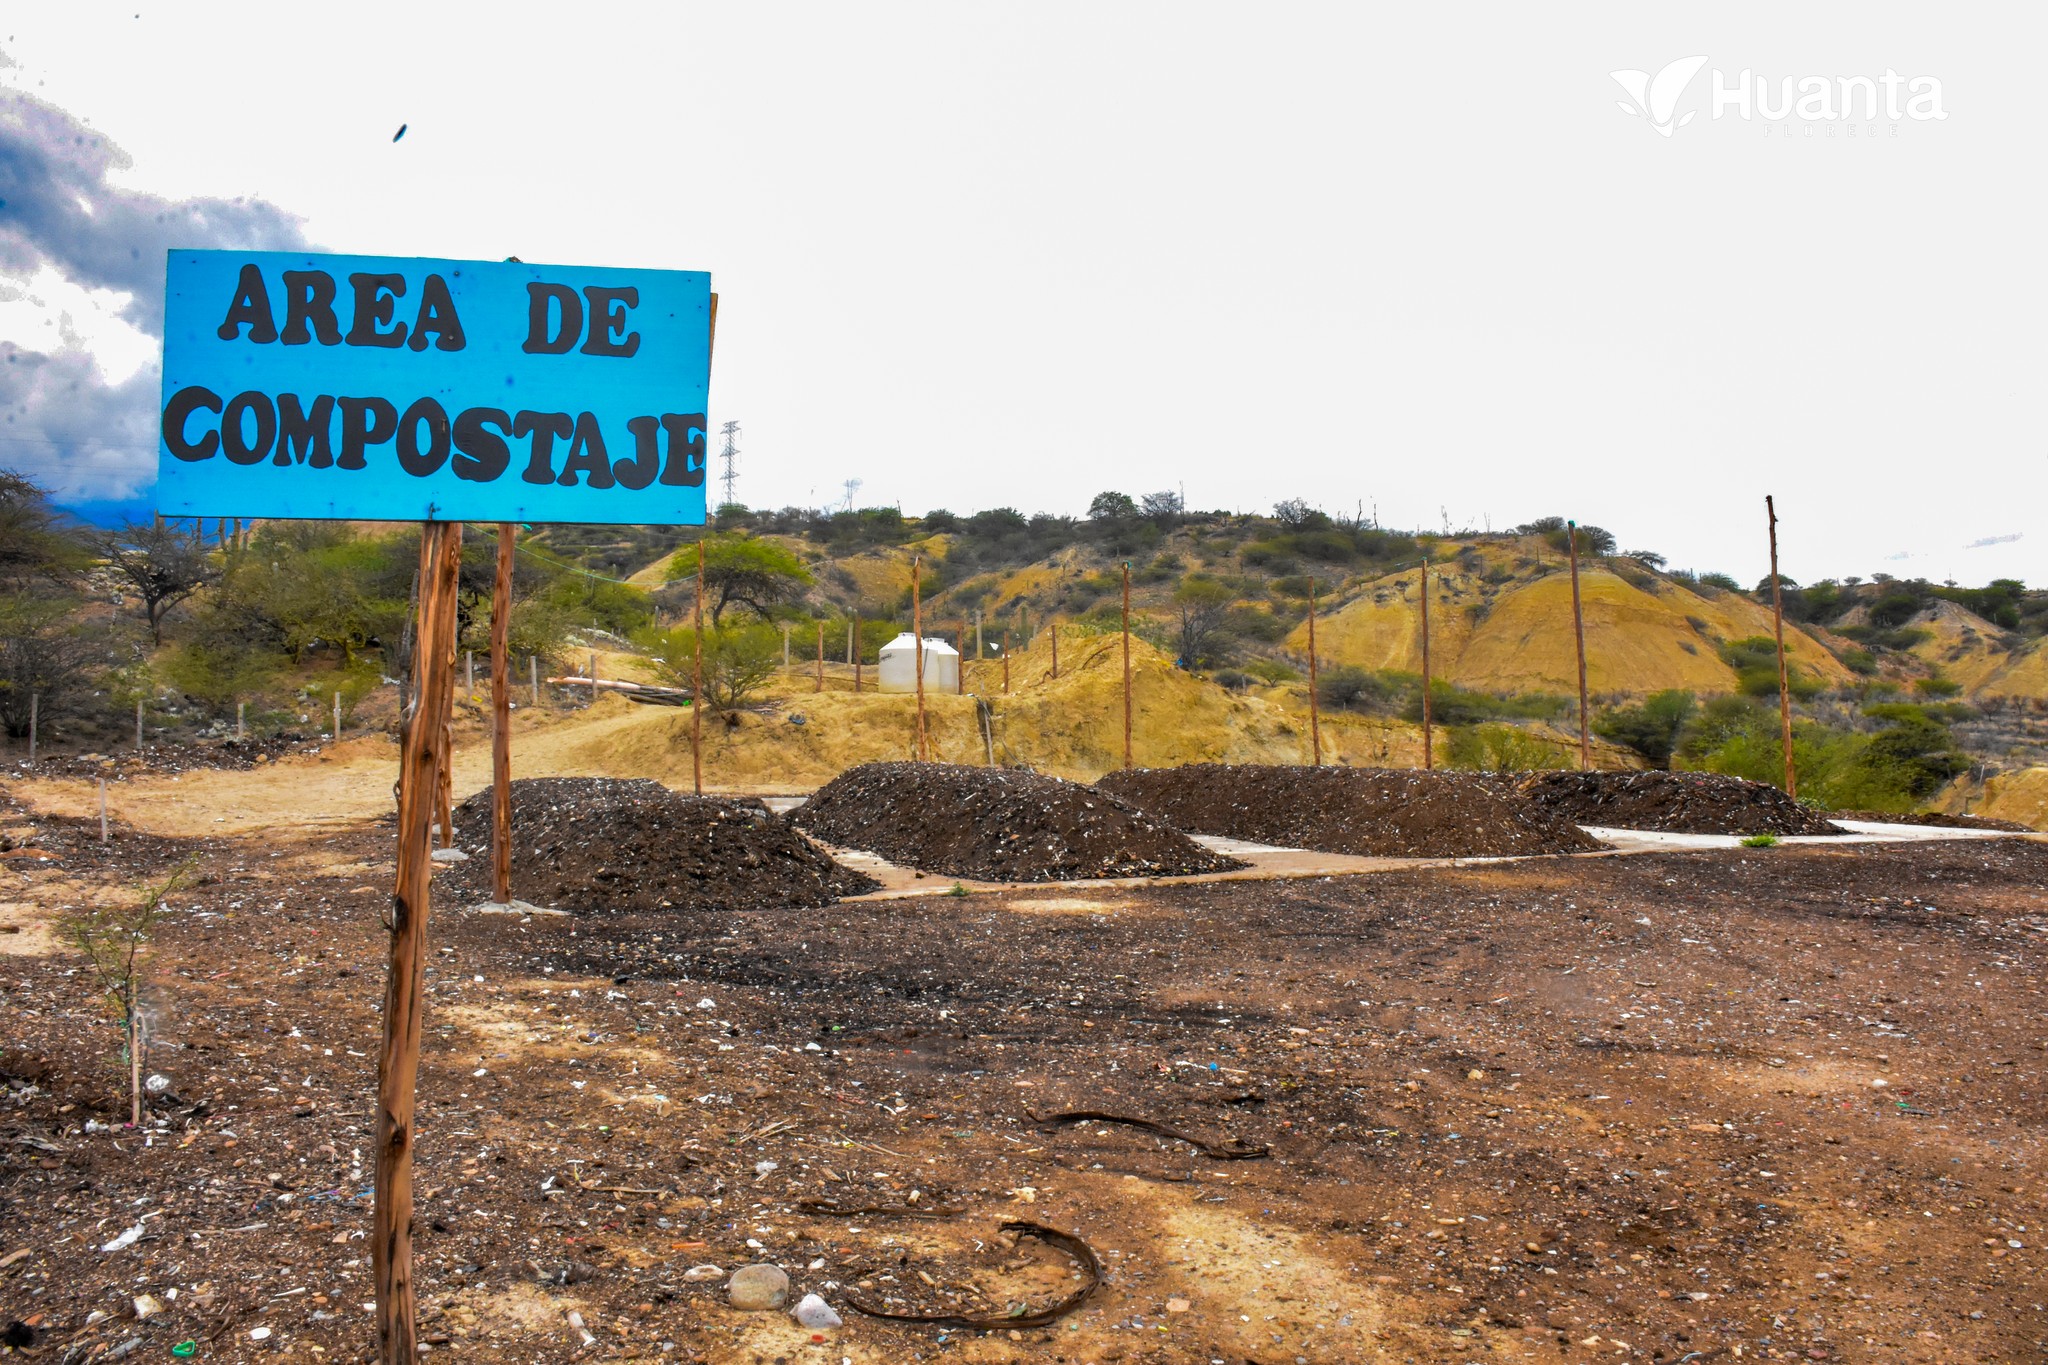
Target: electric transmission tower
{"points": [[731, 455]]}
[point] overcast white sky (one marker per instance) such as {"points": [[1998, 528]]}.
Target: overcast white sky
{"points": [[1411, 256]]}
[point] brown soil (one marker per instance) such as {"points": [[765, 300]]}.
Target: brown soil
{"points": [[1934, 819], [1574, 1110], [604, 845], [1372, 812], [997, 825], [1684, 803]]}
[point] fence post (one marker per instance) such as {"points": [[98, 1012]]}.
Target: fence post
{"points": [[917, 633], [821, 656], [533, 675], [241, 715], [1571, 529], [853, 648], [138, 723], [35, 703], [337, 717], [1428, 740], [1315, 721], [103, 810], [1127, 665], [1784, 674]]}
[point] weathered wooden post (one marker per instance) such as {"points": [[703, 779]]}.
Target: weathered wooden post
{"points": [[1784, 673], [501, 720], [35, 706], [1127, 665], [917, 633], [1428, 742], [421, 758], [1579, 632], [697, 681], [1315, 719]]}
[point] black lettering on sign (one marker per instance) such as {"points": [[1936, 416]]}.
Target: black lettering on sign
{"points": [[482, 454], [414, 458], [183, 404], [250, 308], [303, 437], [544, 427], [256, 449], [376, 300], [685, 467], [436, 316], [608, 318], [541, 302], [364, 422], [586, 456], [309, 308]]}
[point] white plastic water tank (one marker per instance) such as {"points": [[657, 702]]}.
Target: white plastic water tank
{"points": [[899, 665]]}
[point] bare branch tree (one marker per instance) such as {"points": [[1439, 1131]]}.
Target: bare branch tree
{"points": [[164, 564]]}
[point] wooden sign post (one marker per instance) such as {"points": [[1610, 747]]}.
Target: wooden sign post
{"points": [[1571, 529], [501, 720], [697, 681], [421, 758]]}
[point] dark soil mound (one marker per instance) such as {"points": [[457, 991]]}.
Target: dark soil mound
{"points": [[1934, 819], [600, 845], [1681, 803], [1373, 812], [998, 825]]}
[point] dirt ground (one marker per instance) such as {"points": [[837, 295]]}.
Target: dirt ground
{"points": [[1758, 1104]]}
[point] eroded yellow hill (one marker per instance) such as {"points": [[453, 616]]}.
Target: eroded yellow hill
{"points": [[1517, 636]]}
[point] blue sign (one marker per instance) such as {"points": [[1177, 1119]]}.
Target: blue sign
{"points": [[400, 389]]}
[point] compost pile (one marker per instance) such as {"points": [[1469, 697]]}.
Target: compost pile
{"points": [[1680, 803], [1933, 819], [603, 845], [999, 825], [1371, 812]]}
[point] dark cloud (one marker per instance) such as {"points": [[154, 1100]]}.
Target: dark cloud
{"points": [[60, 420], [57, 208]]}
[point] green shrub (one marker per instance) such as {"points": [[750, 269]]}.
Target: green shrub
{"points": [[1272, 671], [1651, 727], [1499, 748], [1937, 686]]}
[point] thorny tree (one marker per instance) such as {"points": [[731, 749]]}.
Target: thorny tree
{"points": [[163, 563]]}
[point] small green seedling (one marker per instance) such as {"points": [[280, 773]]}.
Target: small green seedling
{"points": [[957, 890], [1761, 841]]}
